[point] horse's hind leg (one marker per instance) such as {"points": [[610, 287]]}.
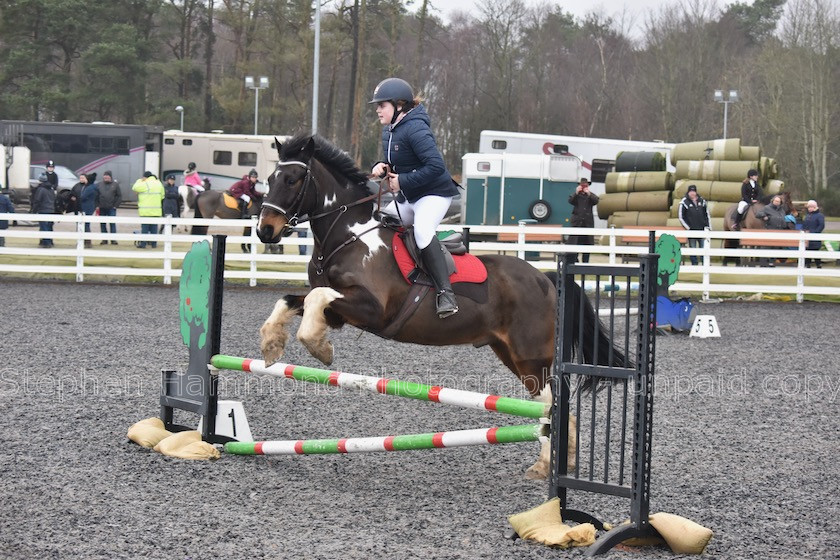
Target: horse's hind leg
{"points": [[273, 333], [313, 328], [539, 470]]}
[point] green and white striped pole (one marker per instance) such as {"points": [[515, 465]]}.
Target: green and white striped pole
{"points": [[407, 389], [438, 440]]}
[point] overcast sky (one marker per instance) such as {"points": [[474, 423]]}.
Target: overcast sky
{"points": [[637, 9]]}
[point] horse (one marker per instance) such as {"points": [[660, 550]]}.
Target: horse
{"points": [[355, 279], [750, 221], [211, 204]]}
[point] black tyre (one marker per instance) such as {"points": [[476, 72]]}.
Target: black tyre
{"points": [[540, 210]]}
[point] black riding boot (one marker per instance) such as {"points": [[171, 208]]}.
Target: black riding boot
{"points": [[243, 207], [736, 224], [435, 262]]}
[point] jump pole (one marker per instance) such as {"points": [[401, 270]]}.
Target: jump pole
{"points": [[406, 389], [438, 440]]}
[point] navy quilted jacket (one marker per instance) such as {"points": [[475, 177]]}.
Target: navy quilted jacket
{"points": [[410, 149]]}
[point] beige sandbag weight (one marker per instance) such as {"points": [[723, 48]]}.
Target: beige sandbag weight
{"points": [[148, 433], [187, 445], [544, 524], [684, 536]]}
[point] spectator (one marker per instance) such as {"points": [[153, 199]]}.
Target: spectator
{"points": [[244, 190], [582, 216], [171, 198], [774, 218], [773, 214], [192, 178], [6, 207], [86, 195], [694, 215], [150, 194], [52, 176], [814, 222], [750, 194], [43, 202], [110, 199]]}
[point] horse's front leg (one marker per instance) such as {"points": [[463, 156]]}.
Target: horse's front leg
{"points": [[273, 333], [313, 328]]}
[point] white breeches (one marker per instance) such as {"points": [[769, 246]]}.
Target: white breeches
{"points": [[742, 206], [246, 198], [425, 215]]}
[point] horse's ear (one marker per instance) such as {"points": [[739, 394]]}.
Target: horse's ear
{"points": [[279, 146], [309, 149]]}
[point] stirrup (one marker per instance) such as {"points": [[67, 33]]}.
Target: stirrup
{"points": [[445, 304]]}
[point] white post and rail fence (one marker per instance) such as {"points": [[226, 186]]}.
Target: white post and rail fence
{"points": [[69, 258]]}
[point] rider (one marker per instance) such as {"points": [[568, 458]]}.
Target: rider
{"points": [[244, 190], [192, 178], [750, 194], [415, 170]]}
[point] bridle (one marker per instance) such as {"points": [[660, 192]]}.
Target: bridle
{"points": [[319, 261], [298, 201]]}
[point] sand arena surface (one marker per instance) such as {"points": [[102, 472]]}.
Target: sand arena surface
{"points": [[745, 440]]}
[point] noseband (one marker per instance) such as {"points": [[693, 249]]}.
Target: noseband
{"points": [[298, 201]]}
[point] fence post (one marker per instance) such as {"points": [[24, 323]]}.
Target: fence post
{"points": [[800, 268], [252, 281], [707, 262], [167, 250], [80, 248], [612, 244]]}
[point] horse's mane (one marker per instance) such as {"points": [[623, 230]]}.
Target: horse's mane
{"points": [[331, 156]]}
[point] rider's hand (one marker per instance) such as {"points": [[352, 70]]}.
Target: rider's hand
{"points": [[379, 170], [394, 182]]}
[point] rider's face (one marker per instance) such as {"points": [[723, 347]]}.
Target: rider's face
{"points": [[385, 112]]}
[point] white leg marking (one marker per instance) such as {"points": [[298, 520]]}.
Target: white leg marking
{"points": [[539, 470], [313, 328], [273, 333]]}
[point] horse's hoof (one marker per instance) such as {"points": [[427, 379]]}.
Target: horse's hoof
{"points": [[537, 471], [324, 353], [272, 349]]}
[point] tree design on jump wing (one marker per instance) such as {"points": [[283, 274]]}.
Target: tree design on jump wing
{"points": [[668, 249], [195, 295]]}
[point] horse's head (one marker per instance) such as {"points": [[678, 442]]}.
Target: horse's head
{"points": [[291, 194]]}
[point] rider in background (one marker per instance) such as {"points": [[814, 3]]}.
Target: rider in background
{"points": [[415, 170], [750, 194], [192, 178], [244, 190]]}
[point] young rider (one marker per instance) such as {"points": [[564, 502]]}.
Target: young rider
{"points": [[750, 194], [193, 179], [415, 170], [244, 190]]}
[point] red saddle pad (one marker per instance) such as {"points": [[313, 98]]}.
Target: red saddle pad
{"points": [[467, 267]]}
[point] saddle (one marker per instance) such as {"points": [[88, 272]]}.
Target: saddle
{"points": [[232, 202], [466, 272], [462, 266]]}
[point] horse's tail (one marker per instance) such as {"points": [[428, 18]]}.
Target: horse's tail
{"points": [[583, 340]]}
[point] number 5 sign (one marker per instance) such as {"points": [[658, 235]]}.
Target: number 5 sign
{"points": [[705, 326]]}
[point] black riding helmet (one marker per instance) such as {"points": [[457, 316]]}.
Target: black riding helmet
{"points": [[191, 165], [253, 173], [393, 90]]}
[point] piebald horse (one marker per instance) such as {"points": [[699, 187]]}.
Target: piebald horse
{"points": [[355, 278]]}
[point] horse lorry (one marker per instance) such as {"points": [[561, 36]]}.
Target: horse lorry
{"points": [[523, 176]]}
